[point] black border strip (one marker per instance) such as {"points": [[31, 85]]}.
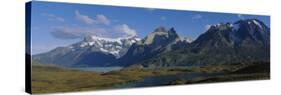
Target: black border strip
{"points": [[28, 47]]}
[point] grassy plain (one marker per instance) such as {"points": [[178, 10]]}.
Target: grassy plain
{"points": [[51, 79]]}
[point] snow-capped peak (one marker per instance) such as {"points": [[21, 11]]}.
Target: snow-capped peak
{"points": [[186, 39], [114, 46], [257, 23]]}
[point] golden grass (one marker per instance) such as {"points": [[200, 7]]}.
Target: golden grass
{"points": [[48, 79], [51, 79]]}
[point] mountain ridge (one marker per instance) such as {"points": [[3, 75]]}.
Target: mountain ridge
{"points": [[222, 43], [160, 40]]}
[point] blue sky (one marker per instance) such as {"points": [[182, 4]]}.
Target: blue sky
{"points": [[62, 24]]}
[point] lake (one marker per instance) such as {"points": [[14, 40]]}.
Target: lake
{"points": [[98, 69], [164, 80]]}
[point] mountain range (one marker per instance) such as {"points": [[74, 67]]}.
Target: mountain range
{"points": [[244, 41], [225, 43], [92, 51]]}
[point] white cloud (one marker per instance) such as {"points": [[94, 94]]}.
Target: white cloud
{"points": [[63, 32], [100, 19], [59, 19], [74, 32], [240, 16], [163, 18], [54, 17], [150, 9], [84, 18], [66, 32], [35, 28], [103, 19], [125, 30], [196, 17], [37, 49]]}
